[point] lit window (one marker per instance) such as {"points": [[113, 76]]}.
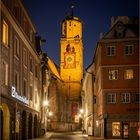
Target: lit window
{"points": [[5, 33], [35, 97], [111, 97], [137, 98], [128, 74], [113, 74], [111, 50], [116, 131], [16, 46], [125, 97], [128, 49], [5, 70]]}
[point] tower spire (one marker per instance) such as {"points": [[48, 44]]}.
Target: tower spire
{"points": [[72, 13]]}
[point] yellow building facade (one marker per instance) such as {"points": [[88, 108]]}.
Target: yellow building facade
{"points": [[71, 64]]}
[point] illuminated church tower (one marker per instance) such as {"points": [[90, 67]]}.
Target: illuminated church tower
{"points": [[71, 64]]}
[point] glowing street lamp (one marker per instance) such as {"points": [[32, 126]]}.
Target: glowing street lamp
{"points": [[45, 103], [50, 113], [81, 111]]}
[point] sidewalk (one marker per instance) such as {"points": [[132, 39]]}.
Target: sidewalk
{"points": [[44, 137]]}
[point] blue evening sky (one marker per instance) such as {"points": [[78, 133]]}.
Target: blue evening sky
{"points": [[95, 15]]}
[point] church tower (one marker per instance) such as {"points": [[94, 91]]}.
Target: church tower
{"points": [[71, 64]]}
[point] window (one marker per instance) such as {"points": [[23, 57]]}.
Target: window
{"points": [[116, 131], [36, 71], [113, 74], [31, 92], [5, 72], [125, 97], [111, 50], [128, 74], [128, 49], [137, 98], [25, 57], [24, 87], [5, 33], [35, 97], [31, 64], [16, 46], [111, 97], [31, 35], [16, 81]]}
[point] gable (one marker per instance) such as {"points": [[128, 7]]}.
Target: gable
{"points": [[121, 30]]}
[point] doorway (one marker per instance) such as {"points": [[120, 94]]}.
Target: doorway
{"points": [[1, 122]]}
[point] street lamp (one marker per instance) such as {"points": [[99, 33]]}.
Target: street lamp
{"points": [[45, 103]]}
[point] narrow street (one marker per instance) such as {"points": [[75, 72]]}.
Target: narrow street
{"points": [[67, 136], [76, 135]]}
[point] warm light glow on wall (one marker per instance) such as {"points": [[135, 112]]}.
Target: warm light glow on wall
{"points": [[5, 33], [45, 103]]}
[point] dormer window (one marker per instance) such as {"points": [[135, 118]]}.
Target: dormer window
{"points": [[119, 31]]}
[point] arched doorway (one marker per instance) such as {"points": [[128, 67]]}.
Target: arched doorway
{"points": [[6, 121], [1, 122], [24, 119], [30, 120], [35, 126]]}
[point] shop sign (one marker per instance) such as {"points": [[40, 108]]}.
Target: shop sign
{"points": [[15, 94]]}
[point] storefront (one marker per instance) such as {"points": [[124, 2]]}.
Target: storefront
{"points": [[18, 120]]}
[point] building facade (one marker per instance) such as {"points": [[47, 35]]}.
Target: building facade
{"points": [[117, 81], [88, 100], [20, 68]]}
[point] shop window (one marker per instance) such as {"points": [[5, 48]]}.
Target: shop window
{"points": [[128, 74], [5, 33], [111, 50], [113, 74], [111, 97], [116, 129], [125, 97]]}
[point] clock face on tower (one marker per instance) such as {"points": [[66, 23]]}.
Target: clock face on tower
{"points": [[69, 57]]}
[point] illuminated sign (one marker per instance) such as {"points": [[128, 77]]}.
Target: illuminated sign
{"points": [[19, 97]]}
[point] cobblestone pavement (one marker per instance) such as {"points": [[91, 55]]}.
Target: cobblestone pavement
{"points": [[77, 135]]}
